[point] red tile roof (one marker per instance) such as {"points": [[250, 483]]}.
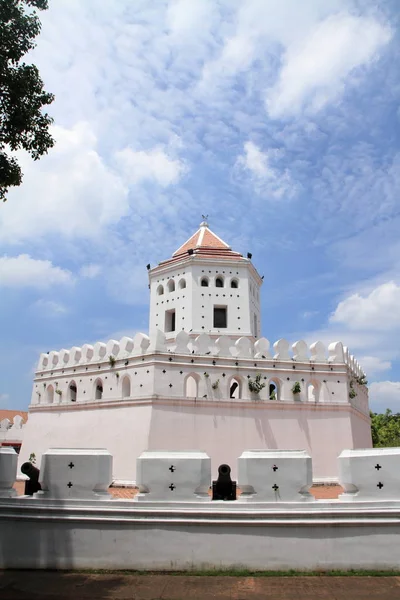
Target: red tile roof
{"points": [[10, 414], [205, 243]]}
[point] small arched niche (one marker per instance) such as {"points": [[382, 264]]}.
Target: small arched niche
{"points": [[274, 389], [219, 282], [126, 387], [160, 290], [234, 283], [191, 386], [313, 391], [50, 394], [204, 282], [235, 388], [72, 391], [182, 284], [171, 285], [98, 389]]}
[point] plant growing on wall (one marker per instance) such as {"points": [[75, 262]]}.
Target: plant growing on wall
{"points": [[215, 385], [117, 375], [59, 392], [296, 389], [256, 385], [352, 392], [272, 395], [206, 375], [362, 380], [32, 458], [111, 360]]}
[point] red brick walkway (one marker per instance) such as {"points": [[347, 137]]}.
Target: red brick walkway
{"points": [[320, 492], [40, 585]]}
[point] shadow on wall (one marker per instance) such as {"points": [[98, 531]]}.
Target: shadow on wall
{"points": [[45, 547]]}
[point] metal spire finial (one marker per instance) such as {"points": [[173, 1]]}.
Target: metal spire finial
{"points": [[204, 223]]}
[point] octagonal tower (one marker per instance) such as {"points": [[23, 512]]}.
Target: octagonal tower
{"points": [[205, 287]]}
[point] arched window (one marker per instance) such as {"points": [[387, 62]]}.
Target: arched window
{"points": [[234, 283], [191, 387], [126, 387], [160, 290], [235, 388], [182, 284], [313, 392], [72, 391], [171, 285], [274, 390], [219, 282], [98, 389], [204, 282], [50, 394]]}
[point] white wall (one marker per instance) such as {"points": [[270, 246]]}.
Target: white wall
{"points": [[194, 304], [127, 539]]}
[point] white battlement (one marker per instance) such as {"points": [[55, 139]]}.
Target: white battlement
{"points": [[204, 368], [203, 345]]}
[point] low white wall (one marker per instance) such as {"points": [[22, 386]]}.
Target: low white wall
{"points": [[95, 536]]}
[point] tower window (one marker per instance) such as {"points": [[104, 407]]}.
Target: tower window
{"points": [[204, 282], [182, 284], [220, 317], [171, 285], [234, 283], [160, 290], [219, 282], [170, 318]]}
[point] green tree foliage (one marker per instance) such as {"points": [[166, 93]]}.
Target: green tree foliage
{"points": [[22, 123], [385, 429]]}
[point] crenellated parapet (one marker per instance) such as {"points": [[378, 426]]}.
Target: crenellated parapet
{"points": [[205, 367], [203, 345]]}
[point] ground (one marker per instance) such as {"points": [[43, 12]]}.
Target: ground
{"points": [[45, 585]]}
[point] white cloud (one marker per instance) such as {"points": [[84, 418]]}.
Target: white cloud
{"points": [[267, 180], [385, 394], [153, 165], [71, 191], [373, 365], [49, 308], [90, 271], [315, 68], [24, 271], [379, 310]]}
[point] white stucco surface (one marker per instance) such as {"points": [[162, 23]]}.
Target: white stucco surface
{"points": [[173, 475], [75, 473], [128, 535], [8, 471], [275, 475], [370, 474]]}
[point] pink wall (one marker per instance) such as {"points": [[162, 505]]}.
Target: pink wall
{"points": [[225, 431]]}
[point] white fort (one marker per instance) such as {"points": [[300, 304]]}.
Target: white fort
{"points": [[203, 379]]}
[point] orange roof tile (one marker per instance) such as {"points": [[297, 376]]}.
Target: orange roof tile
{"points": [[207, 244], [10, 414]]}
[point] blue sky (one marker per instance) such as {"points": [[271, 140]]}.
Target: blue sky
{"points": [[278, 118]]}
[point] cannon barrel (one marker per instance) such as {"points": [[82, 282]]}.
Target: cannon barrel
{"points": [[224, 488], [32, 485]]}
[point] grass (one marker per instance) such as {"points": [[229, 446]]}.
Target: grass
{"points": [[232, 572]]}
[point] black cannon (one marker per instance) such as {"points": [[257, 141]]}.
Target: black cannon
{"points": [[32, 485], [224, 488]]}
